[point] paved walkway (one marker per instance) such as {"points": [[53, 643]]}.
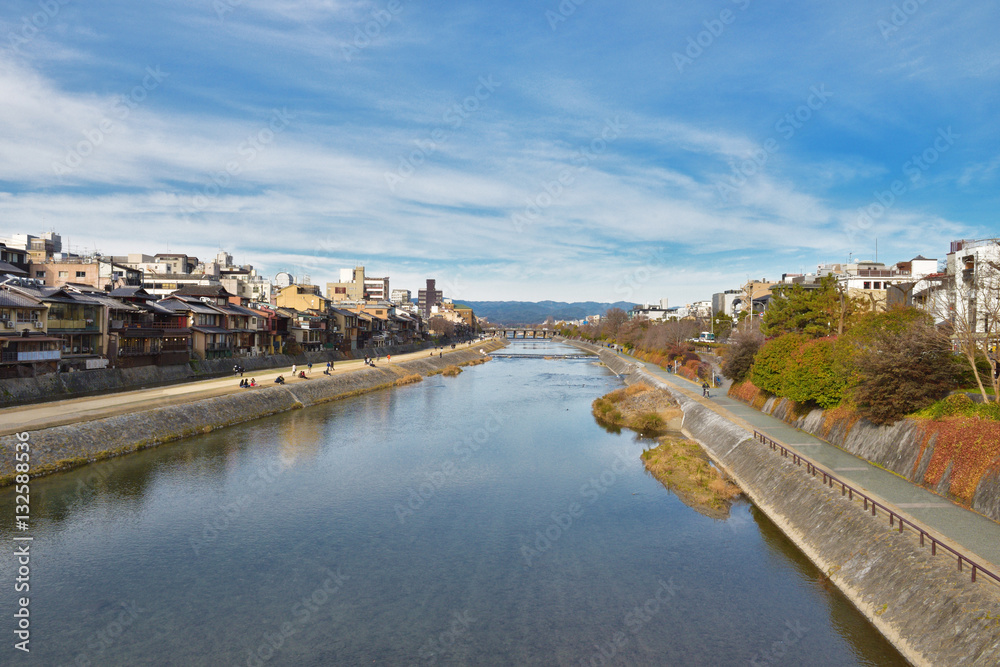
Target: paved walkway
{"points": [[974, 532], [73, 410]]}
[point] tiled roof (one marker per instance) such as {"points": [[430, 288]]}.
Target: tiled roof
{"points": [[10, 299]]}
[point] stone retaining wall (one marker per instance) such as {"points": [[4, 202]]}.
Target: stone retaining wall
{"points": [[63, 447], [931, 613]]}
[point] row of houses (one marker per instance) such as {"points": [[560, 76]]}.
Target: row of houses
{"points": [[963, 288], [79, 327]]}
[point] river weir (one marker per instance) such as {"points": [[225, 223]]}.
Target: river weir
{"points": [[481, 519]]}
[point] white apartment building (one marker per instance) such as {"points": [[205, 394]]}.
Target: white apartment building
{"points": [[973, 282]]}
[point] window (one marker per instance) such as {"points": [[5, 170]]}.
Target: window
{"points": [[878, 285], [64, 274], [340, 290], [40, 274], [868, 285], [81, 274]]}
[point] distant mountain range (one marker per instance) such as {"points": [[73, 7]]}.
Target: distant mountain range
{"points": [[536, 312]]}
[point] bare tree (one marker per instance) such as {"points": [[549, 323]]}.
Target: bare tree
{"points": [[972, 309], [441, 326], [613, 321]]}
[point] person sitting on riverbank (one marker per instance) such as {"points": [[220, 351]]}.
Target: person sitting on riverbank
{"points": [[302, 374], [253, 382], [243, 384], [280, 379]]}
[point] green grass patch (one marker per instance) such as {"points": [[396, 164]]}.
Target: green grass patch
{"points": [[959, 405]]}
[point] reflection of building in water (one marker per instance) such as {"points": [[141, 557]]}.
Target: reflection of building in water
{"points": [[302, 433]]}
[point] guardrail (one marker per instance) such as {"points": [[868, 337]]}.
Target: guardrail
{"points": [[894, 517]]}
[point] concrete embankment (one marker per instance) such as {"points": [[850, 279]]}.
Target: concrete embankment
{"points": [[932, 613], [60, 386], [62, 447]]}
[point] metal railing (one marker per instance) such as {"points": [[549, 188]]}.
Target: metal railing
{"points": [[894, 517]]}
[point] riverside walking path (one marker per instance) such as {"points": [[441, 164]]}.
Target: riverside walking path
{"points": [[968, 531], [70, 411]]}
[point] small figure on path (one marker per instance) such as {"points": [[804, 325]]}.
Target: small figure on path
{"points": [[309, 368], [280, 379], [293, 370], [704, 390], [253, 382]]}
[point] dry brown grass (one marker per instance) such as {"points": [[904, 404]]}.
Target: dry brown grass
{"points": [[636, 389], [451, 371], [627, 408], [684, 468], [409, 379]]}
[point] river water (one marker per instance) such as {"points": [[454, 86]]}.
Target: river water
{"points": [[484, 519]]}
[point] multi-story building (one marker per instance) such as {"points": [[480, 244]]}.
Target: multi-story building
{"points": [[376, 289], [99, 272], [79, 321], [13, 261], [428, 298], [39, 248], [973, 284], [302, 297], [154, 336], [649, 311], [26, 349], [400, 296], [351, 286], [726, 302]]}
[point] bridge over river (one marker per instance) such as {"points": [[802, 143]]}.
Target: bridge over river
{"points": [[508, 355], [524, 332]]}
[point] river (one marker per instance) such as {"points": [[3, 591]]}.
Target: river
{"points": [[484, 519]]}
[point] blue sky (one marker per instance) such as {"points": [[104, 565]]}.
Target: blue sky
{"points": [[582, 150]]}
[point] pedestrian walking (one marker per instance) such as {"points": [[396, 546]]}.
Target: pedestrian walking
{"points": [[704, 390], [329, 366], [293, 370], [309, 368], [388, 358]]}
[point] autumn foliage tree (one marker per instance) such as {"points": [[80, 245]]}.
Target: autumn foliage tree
{"points": [[738, 356], [818, 372], [768, 369], [901, 363]]}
